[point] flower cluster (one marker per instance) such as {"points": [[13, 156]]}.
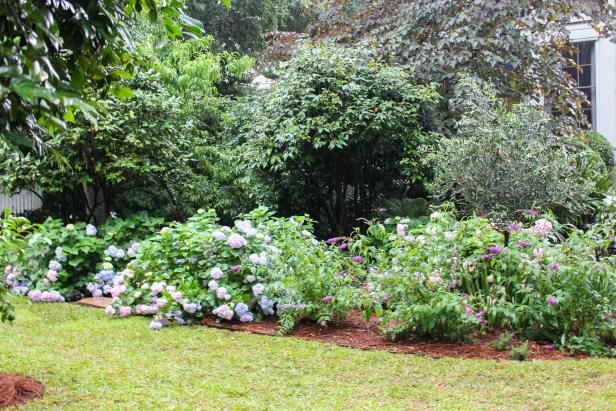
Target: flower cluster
{"points": [[45, 296]]}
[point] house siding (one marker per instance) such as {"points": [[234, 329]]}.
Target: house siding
{"points": [[604, 78]]}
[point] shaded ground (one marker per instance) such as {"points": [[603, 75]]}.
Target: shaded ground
{"points": [[88, 361], [357, 333], [17, 389]]}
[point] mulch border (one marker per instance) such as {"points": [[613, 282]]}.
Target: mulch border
{"points": [[17, 389], [359, 334]]}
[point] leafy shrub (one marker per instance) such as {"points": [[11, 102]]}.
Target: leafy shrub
{"points": [[502, 342], [339, 131], [505, 160], [537, 285], [520, 353], [601, 145], [156, 148], [60, 260], [260, 267], [13, 231]]}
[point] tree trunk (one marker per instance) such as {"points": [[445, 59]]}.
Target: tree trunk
{"points": [[95, 204]]}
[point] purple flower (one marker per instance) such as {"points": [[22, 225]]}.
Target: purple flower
{"points": [[216, 273], [385, 298], [343, 246], [480, 314], [514, 228], [531, 213], [495, 250], [236, 268], [332, 240], [487, 257], [246, 317], [327, 299], [358, 259], [548, 347], [468, 310], [555, 266], [156, 325], [552, 301], [523, 243]]}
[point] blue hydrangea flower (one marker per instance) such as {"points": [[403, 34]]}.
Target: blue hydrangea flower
{"points": [[267, 305]]}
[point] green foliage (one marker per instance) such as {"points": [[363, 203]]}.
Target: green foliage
{"points": [[242, 27], [503, 342], [262, 266], [52, 51], [339, 131], [520, 353], [13, 231], [601, 145], [156, 151], [505, 160], [74, 253], [461, 272], [519, 45]]}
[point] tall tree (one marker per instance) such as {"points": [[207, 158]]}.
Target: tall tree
{"points": [[53, 50], [518, 45]]}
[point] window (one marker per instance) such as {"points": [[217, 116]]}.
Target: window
{"points": [[584, 57]]}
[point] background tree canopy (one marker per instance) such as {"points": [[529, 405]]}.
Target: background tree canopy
{"points": [[517, 45], [242, 27]]}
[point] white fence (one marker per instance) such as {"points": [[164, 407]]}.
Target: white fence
{"points": [[21, 202]]}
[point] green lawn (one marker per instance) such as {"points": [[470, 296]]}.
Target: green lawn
{"points": [[89, 361]]}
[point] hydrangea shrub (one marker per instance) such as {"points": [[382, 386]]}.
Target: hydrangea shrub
{"points": [[57, 260], [261, 266]]}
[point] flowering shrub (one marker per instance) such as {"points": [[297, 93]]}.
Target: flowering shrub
{"points": [[57, 260], [450, 278], [12, 233], [261, 266]]}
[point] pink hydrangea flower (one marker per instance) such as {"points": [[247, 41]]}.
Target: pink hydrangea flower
{"points": [[110, 310], [52, 276], [542, 227], [125, 311], [552, 301], [236, 241], [35, 295], [216, 273]]}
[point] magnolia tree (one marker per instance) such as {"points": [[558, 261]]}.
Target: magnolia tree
{"points": [[519, 45]]}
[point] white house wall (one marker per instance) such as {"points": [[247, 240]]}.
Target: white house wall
{"points": [[605, 79]]}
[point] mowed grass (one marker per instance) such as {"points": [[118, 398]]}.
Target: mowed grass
{"points": [[88, 361]]}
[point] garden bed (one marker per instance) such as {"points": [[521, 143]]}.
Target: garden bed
{"points": [[17, 389], [357, 333]]}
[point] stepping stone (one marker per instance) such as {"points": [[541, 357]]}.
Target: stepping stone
{"points": [[96, 302]]}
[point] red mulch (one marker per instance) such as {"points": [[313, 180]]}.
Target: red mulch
{"points": [[357, 333], [17, 389]]}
